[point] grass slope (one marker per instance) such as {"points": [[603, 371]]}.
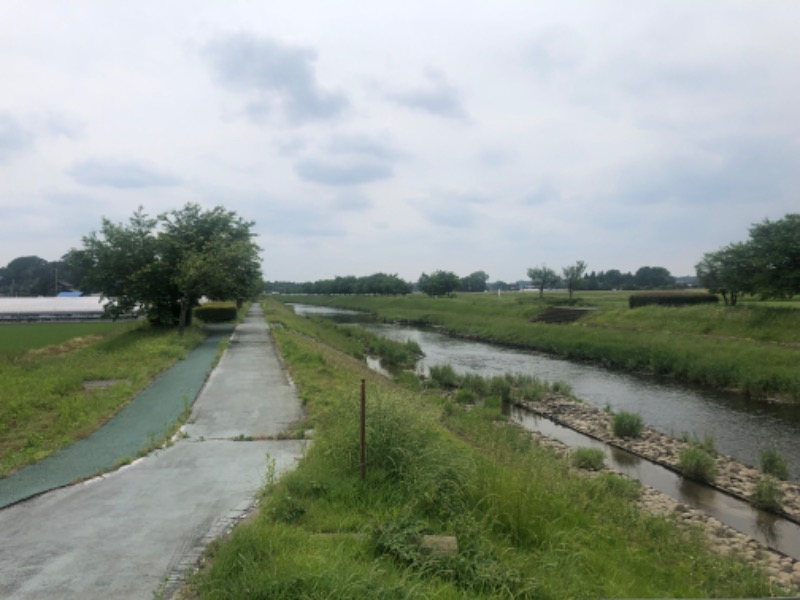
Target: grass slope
{"points": [[44, 405], [527, 524]]}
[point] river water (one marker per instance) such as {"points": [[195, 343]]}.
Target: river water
{"points": [[741, 429]]}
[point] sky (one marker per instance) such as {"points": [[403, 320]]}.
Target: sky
{"points": [[405, 136]]}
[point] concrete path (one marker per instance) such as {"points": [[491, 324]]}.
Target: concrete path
{"points": [[133, 532]]}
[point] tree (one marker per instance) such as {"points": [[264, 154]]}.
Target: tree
{"points": [[164, 265], [729, 272], [775, 247], [572, 275], [474, 282], [653, 278], [439, 283], [543, 277]]}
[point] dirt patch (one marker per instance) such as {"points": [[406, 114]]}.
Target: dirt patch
{"points": [[559, 315]]}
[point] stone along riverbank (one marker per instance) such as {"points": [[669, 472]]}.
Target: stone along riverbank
{"points": [[734, 478]]}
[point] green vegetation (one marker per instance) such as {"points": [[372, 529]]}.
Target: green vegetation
{"points": [[773, 463], [591, 459], [527, 525], [768, 494], [698, 464], [20, 337], [46, 404], [753, 348], [627, 425]]}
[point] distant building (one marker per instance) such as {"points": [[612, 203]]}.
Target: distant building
{"points": [[58, 308]]}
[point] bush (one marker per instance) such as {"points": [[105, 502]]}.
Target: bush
{"points": [[626, 424], [672, 299], [216, 312], [773, 463], [696, 463], [591, 459], [768, 494], [444, 375]]}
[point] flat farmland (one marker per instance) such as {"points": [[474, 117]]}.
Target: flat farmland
{"points": [[20, 337]]}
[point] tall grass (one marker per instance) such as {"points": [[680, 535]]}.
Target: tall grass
{"points": [[526, 524]]}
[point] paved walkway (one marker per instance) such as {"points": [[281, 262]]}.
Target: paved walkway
{"points": [[133, 532]]}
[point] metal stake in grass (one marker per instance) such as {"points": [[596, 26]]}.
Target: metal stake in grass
{"points": [[363, 430]]}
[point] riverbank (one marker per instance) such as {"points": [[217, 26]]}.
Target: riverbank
{"points": [[733, 478], [753, 348]]}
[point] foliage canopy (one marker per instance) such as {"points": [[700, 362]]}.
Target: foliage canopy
{"points": [[164, 265]]}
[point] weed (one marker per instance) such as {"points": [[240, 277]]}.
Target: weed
{"points": [[773, 463], [444, 376], [626, 424], [767, 494], [591, 459], [696, 463]]}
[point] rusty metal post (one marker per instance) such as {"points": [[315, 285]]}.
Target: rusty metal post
{"points": [[363, 430]]}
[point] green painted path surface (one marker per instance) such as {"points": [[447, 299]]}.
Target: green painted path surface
{"points": [[146, 419]]}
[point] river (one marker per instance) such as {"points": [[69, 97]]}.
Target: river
{"points": [[741, 429]]}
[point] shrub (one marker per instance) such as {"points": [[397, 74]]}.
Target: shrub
{"points": [[216, 312], [696, 463], [773, 463], [591, 459], [626, 424], [444, 376], [672, 299], [768, 494]]}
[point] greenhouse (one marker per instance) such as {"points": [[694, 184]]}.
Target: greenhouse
{"points": [[81, 308]]}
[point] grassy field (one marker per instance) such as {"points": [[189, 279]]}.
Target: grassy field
{"points": [[20, 337], [44, 404], [754, 347], [527, 524]]}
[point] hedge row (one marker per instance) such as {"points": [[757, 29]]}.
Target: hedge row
{"points": [[672, 299], [216, 312]]}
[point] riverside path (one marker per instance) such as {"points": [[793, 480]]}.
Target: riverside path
{"points": [[134, 532]]}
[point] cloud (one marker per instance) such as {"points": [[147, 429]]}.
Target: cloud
{"points": [[363, 145], [119, 174], [457, 210], [14, 138], [273, 75], [350, 172], [60, 125], [438, 97], [350, 201]]}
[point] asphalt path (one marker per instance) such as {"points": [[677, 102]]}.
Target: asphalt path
{"points": [[134, 533]]}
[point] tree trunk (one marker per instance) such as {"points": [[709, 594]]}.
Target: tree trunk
{"points": [[182, 317]]}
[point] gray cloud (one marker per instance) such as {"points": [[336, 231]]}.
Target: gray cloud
{"points": [[438, 97], [455, 210], [362, 145], [14, 138], [351, 172], [58, 124], [274, 75], [119, 174], [352, 201], [748, 170]]}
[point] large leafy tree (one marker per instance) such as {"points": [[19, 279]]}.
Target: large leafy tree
{"points": [[775, 248], [164, 265], [768, 264], [474, 282], [439, 283], [543, 277], [729, 271]]}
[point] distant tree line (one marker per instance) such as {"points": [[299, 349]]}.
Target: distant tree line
{"points": [[767, 265], [35, 276], [574, 277], [376, 284]]}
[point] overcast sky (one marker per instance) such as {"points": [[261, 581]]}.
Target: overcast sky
{"points": [[405, 136]]}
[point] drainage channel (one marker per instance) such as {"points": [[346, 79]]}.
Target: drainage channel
{"points": [[769, 529]]}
